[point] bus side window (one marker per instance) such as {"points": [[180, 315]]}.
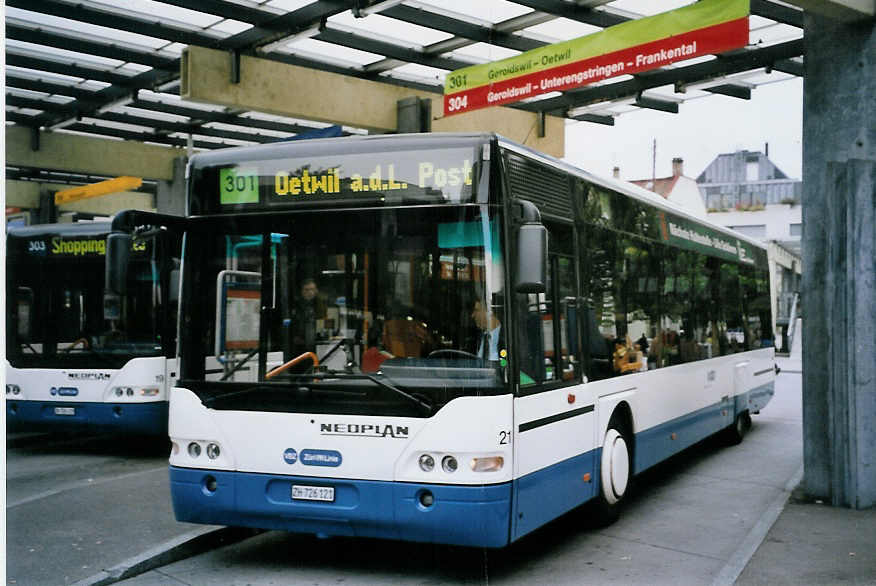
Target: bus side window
{"points": [[531, 343], [548, 333], [24, 313]]}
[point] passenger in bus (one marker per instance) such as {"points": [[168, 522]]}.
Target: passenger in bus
{"points": [[374, 355], [626, 359], [671, 349], [643, 343], [689, 350], [491, 338], [309, 309]]}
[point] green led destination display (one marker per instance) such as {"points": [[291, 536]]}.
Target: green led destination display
{"points": [[445, 175], [69, 246]]}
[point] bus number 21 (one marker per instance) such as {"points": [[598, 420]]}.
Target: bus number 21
{"points": [[504, 438]]}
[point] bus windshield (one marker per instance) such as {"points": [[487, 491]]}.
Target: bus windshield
{"points": [[56, 315], [386, 308]]}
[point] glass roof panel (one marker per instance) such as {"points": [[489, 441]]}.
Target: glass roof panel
{"points": [[494, 11], [519, 19], [168, 12], [483, 53], [329, 53], [287, 5], [87, 30], [161, 116], [424, 72], [230, 27], [384, 26], [562, 29], [63, 55], [170, 99], [27, 111], [648, 7]]}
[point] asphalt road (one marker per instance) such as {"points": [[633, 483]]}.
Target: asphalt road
{"points": [[76, 504], [77, 507]]}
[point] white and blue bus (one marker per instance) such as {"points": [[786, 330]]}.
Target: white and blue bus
{"points": [[364, 398], [77, 359]]}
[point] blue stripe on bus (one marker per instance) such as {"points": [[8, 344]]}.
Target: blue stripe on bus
{"points": [[135, 418], [662, 441], [475, 516], [545, 494]]}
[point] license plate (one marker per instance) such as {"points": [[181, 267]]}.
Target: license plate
{"points": [[313, 493], [65, 411]]}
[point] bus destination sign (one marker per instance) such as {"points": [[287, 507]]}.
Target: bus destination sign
{"points": [[420, 176], [70, 246]]}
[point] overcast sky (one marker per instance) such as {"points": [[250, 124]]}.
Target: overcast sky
{"points": [[702, 130]]}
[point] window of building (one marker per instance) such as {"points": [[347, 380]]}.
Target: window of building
{"points": [[796, 229], [751, 171]]}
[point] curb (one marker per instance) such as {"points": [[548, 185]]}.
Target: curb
{"points": [[184, 546], [740, 558]]}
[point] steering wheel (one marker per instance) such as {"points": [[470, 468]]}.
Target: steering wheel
{"points": [[451, 353]]}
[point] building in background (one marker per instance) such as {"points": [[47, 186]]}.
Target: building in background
{"points": [[677, 188], [747, 192]]}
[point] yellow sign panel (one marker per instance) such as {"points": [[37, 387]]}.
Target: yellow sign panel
{"points": [[124, 183]]}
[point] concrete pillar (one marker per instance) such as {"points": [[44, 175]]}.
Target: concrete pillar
{"points": [[414, 115], [839, 354], [170, 198]]}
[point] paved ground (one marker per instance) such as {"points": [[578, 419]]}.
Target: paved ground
{"points": [[713, 515], [696, 519]]}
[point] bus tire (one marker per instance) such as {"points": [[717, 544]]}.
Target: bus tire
{"points": [[614, 473], [736, 432]]}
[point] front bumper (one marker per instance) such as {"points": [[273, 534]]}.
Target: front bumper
{"points": [[477, 516]]}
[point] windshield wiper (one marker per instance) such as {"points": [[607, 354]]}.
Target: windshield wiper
{"points": [[239, 365], [424, 407], [210, 400]]}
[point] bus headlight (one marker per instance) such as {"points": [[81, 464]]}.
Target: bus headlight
{"points": [[213, 451], [488, 464], [194, 449], [124, 391], [13, 389], [427, 463], [449, 464]]}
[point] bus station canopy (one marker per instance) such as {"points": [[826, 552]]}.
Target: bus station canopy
{"points": [[113, 69]]}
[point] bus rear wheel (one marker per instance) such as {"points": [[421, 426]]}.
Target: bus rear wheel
{"points": [[736, 432], [614, 474]]}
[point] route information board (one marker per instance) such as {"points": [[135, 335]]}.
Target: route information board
{"points": [[706, 27]]}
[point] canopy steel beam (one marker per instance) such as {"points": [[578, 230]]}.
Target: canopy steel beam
{"points": [[734, 91], [391, 50], [473, 32], [601, 18], [656, 104], [596, 118], [115, 20], [69, 42]]}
